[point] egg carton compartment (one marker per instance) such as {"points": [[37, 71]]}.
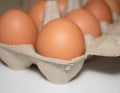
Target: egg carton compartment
{"points": [[61, 71], [58, 71]]}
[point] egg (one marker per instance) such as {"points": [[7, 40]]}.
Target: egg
{"points": [[86, 22], [60, 39], [16, 27], [100, 10], [37, 9], [114, 5], [36, 12], [119, 1]]}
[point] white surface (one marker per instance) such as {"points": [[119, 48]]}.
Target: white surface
{"points": [[99, 75]]}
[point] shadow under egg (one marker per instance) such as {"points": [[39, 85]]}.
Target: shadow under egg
{"points": [[108, 65]]}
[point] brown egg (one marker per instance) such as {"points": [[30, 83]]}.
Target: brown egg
{"points": [[100, 10], [86, 21], [114, 5], [36, 10], [16, 27], [61, 39], [119, 1]]}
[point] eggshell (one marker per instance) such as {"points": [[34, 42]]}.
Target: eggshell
{"points": [[100, 10], [58, 71], [36, 12], [61, 39], [54, 70], [62, 71], [86, 21], [114, 5], [16, 27], [119, 1]]}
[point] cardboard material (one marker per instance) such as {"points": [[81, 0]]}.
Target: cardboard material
{"points": [[58, 71], [72, 4], [51, 11]]}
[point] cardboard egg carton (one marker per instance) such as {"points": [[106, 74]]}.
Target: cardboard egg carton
{"points": [[59, 71]]}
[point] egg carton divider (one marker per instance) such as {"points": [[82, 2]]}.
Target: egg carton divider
{"points": [[61, 71]]}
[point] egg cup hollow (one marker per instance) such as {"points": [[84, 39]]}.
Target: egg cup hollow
{"points": [[56, 71]]}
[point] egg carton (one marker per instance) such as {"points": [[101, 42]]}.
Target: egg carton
{"points": [[59, 71]]}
